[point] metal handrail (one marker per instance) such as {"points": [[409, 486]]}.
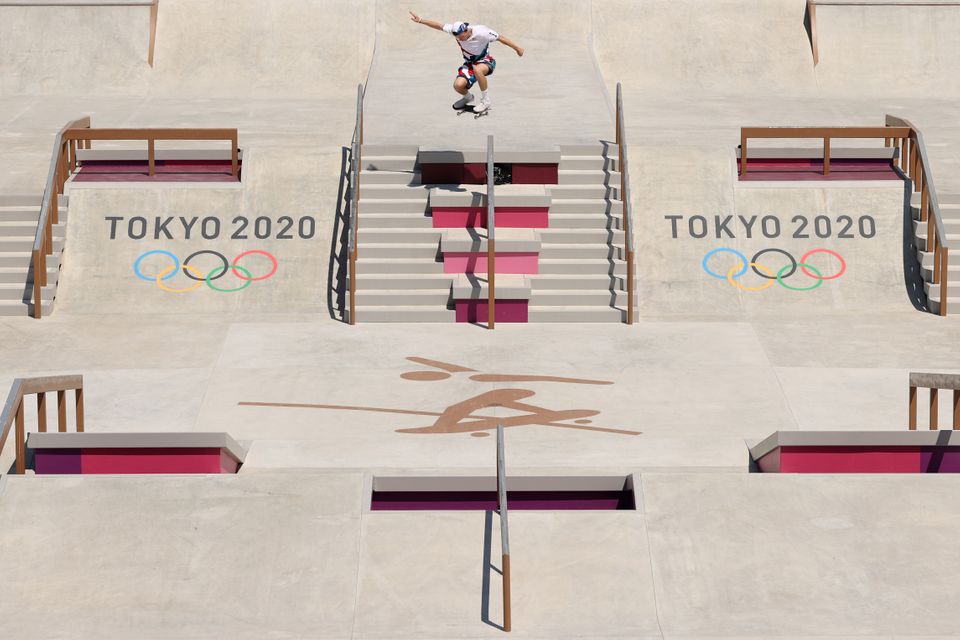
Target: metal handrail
{"points": [[43, 240], [625, 198], [491, 232], [352, 240], [919, 170], [13, 409], [504, 527]]}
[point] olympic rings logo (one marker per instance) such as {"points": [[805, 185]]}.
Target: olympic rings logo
{"points": [[241, 273], [740, 268]]}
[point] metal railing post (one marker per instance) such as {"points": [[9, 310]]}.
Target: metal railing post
{"points": [[502, 508], [491, 241], [356, 153], [625, 200]]}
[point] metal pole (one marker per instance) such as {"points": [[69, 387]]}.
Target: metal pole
{"points": [[504, 528], [491, 243]]}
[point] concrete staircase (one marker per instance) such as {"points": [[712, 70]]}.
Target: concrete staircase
{"points": [[950, 212], [582, 272], [18, 227]]}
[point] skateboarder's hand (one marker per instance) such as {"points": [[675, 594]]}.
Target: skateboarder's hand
{"points": [[415, 17], [520, 51]]}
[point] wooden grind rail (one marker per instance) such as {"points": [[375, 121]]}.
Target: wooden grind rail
{"points": [[913, 162], [13, 409], [78, 135]]}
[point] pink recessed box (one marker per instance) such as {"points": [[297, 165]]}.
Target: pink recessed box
{"points": [[471, 299], [523, 206], [127, 453], [858, 452], [465, 251]]}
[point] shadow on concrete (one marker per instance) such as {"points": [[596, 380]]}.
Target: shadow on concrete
{"points": [[912, 272], [339, 265], [487, 569]]}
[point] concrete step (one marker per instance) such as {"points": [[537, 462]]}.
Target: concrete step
{"points": [[405, 281], [18, 291], [580, 282], [602, 237], [585, 206], [591, 149], [920, 231], [21, 275], [16, 308], [592, 163], [575, 314], [405, 314], [403, 298], [387, 163], [585, 221], [21, 228], [394, 221], [400, 205], [393, 192], [585, 267], [580, 251], [396, 265], [577, 298], [950, 225], [19, 244], [953, 272], [589, 177], [402, 236], [23, 214], [584, 191], [380, 150], [945, 198], [947, 212], [427, 250], [389, 177], [953, 290]]}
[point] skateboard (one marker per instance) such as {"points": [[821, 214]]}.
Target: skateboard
{"points": [[469, 109]]}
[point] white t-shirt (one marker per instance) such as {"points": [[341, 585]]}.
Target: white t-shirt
{"points": [[479, 39]]}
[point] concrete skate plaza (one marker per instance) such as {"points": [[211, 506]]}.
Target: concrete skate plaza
{"points": [[286, 548]]}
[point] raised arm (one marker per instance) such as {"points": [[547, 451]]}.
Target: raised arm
{"points": [[433, 24], [513, 45]]}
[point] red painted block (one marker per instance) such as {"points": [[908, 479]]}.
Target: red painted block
{"points": [[850, 460], [503, 311], [507, 217], [535, 174], [184, 460]]}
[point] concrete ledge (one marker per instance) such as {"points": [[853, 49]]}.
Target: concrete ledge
{"points": [[854, 439], [77, 3], [507, 241], [187, 440], [935, 380], [477, 156], [508, 287], [507, 195]]}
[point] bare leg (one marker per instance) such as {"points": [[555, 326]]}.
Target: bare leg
{"points": [[481, 71], [460, 86]]}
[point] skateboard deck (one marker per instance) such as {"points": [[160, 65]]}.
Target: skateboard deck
{"points": [[470, 109]]}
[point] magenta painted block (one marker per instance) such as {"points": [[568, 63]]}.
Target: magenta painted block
{"points": [[532, 173], [56, 461], [850, 460], [507, 217], [506, 263], [504, 311], [182, 460], [940, 460]]}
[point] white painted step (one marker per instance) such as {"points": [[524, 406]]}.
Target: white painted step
{"points": [[591, 163], [19, 244], [404, 281], [397, 205], [19, 291], [398, 265], [953, 289], [404, 314], [602, 237], [20, 214], [588, 177], [393, 192], [568, 281], [386, 163], [389, 177], [16, 308], [585, 206], [585, 267], [584, 191], [25, 228], [406, 150], [585, 221], [23, 274], [578, 298], [953, 235], [575, 314], [404, 298], [428, 250], [395, 221], [399, 235], [592, 149], [580, 251]]}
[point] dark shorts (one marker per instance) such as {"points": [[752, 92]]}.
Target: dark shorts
{"points": [[466, 70]]}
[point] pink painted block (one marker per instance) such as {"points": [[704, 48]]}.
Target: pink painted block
{"points": [[507, 217], [504, 310], [531, 173], [183, 460], [512, 263], [849, 460]]}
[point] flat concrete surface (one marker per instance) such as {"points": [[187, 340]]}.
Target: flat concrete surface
{"points": [[286, 549]]}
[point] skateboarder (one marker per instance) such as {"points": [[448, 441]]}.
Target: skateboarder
{"points": [[477, 61]]}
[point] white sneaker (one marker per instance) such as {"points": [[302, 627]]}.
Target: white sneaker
{"points": [[483, 106], [464, 101]]}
